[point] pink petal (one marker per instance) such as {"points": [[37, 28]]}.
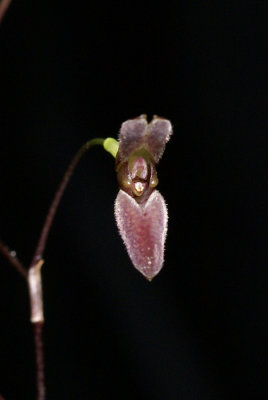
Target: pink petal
{"points": [[143, 229], [158, 134], [131, 136], [137, 133]]}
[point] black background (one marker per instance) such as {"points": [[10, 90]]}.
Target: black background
{"points": [[71, 71]]}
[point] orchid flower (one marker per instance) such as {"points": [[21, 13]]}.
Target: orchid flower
{"points": [[140, 210]]}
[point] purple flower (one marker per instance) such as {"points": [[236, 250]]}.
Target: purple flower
{"points": [[140, 210]]}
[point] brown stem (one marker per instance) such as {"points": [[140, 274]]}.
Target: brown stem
{"points": [[33, 275], [58, 195], [3, 8], [14, 261], [37, 319], [39, 359]]}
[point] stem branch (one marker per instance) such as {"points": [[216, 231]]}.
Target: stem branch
{"points": [[14, 261]]}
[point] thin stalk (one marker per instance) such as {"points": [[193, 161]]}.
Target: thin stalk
{"points": [[58, 195], [33, 274], [39, 351], [4, 4], [14, 261]]}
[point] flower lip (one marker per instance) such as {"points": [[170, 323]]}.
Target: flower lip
{"points": [[143, 230]]}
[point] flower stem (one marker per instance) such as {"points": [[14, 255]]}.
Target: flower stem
{"points": [[58, 195], [33, 274], [39, 355], [4, 4]]}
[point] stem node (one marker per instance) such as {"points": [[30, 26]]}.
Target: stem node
{"points": [[35, 292]]}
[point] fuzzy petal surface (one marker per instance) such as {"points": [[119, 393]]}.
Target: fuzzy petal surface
{"points": [[157, 135], [143, 229], [131, 136], [138, 133]]}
